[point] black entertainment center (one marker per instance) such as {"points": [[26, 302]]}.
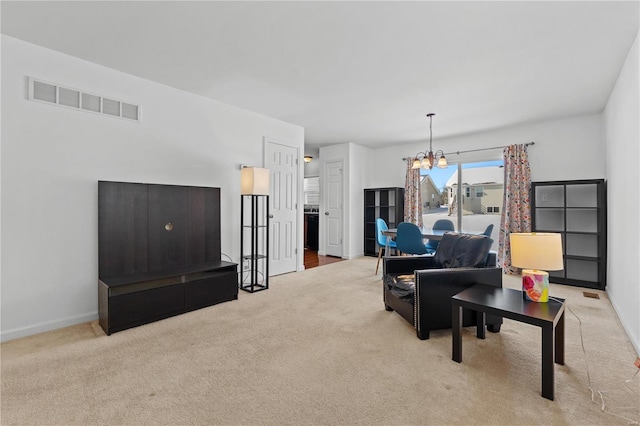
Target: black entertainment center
{"points": [[159, 253]]}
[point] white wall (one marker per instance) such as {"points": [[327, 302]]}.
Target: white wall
{"points": [[360, 174], [570, 148], [622, 133], [552, 158], [312, 169], [52, 158]]}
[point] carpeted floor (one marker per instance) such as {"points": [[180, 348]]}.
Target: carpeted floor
{"points": [[318, 348]]}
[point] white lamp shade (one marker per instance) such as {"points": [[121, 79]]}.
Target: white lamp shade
{"points": [[254, 181], [536, 250]]}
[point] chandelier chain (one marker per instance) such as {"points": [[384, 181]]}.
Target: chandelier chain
{"points": [[426, 160]]}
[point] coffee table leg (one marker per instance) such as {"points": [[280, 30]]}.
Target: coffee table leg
{"points": [[548, 339], [559, 332], [480, 321], [456, 327]]}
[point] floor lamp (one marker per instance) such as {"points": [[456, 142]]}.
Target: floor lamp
{"points": [[254, 229]]}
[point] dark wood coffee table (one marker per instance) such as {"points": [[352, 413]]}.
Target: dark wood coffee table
{"points": [[509, 303]]}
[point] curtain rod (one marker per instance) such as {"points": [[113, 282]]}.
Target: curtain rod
{"points": [[475, 150]]}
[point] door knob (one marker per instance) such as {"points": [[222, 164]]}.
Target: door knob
{"points": [[270, 216], [326, 213]]}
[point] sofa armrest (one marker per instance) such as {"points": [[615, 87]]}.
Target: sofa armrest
{"points": [[406, 264], [434, 289]]}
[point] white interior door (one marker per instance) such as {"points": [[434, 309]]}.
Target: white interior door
{"points": [[333, 208], [283, 168]]}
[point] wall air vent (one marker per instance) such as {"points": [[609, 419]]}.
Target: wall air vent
{"points": [[52, 93]]}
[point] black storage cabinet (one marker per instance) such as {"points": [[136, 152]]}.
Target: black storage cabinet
{"points": [[577, 210], [385, 203]]}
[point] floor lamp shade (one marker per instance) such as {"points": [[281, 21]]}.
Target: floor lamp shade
{"points": [[536, 253], [254, 181]]}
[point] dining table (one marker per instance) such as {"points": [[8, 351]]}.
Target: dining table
{"points": [[427, 233]]}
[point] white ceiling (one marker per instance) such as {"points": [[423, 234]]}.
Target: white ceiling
{"points": [[363, 72]]}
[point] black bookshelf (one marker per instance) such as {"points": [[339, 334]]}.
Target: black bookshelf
{"points": [[576, 210], [385, 203]]}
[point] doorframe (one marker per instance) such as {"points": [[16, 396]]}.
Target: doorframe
{"points": [[299, 210]]}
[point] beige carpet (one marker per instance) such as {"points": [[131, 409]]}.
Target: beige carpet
{"points": [[317, 348]]}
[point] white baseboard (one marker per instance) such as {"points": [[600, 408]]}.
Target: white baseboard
{"points": [[353, 256], [47, 326]]}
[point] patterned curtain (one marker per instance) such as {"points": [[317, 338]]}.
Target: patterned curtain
{"points": [[412, 197], [516, 204]]}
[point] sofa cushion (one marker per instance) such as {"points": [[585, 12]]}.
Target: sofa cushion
{"points": [[462, 250]]}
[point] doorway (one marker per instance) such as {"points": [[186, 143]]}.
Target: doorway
{"points": [[312, 259]]}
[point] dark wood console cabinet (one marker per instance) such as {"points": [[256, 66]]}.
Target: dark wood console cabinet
{"points": [[159, 253], [129, 301]]}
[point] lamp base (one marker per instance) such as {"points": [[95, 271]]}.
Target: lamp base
{"points": [[535, 285]]}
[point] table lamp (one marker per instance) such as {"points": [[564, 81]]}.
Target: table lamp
{"points": [[538, 252]]}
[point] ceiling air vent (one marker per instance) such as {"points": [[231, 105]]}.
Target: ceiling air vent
{"points": [[52, 93]]}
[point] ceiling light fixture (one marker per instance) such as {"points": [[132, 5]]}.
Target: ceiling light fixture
{"points": [[308, 158], [426, 159]]}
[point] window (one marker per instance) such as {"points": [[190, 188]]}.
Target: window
{"points": [[473, 205]]}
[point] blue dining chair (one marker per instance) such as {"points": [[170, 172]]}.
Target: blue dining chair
{"points": [[409, 239], [443, 225], [381, 226], [488, 231]]}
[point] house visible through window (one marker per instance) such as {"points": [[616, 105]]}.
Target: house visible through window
{"points": [[474, 205]]}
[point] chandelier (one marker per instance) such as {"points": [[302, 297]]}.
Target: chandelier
{"points": [[426, 159]]}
